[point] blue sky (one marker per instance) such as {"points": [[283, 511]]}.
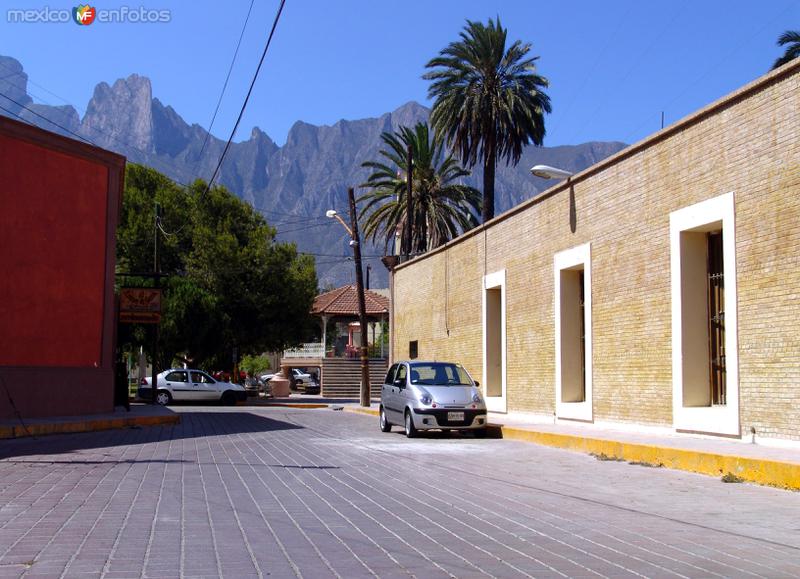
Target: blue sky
{"points": [[613, 66]]}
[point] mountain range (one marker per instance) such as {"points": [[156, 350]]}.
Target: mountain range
{"points": [[292, 185]]}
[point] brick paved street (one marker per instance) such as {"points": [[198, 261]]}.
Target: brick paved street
{"points": [[256, 492]]}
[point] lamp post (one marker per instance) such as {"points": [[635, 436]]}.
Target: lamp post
{"points": [[548, 172], [362, 305]]}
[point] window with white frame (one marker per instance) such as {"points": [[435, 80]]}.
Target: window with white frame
{"points": [[704, 321], [573, 331]]}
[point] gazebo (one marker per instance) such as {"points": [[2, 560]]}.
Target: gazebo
{"points": [[341, 304], [340, 376]]}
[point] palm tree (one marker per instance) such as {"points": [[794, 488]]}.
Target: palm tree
{"points": [[489, 100], [441, 209], [792, 38]]}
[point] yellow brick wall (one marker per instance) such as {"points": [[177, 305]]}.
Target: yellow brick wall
{"points": [[748, 144]]}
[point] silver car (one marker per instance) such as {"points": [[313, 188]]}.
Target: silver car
{"points": [[431, 396]]}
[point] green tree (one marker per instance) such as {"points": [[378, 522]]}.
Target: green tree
{"points": [[790, 39], [442, 208], [230, 284], [490, 102], [254, 365]]}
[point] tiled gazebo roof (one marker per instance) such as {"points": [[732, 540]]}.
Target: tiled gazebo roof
{"points": [[343, 301]]}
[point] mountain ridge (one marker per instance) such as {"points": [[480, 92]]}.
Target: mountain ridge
{"points": [[292, 185]]}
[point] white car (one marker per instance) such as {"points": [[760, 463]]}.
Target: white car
{"points": [[301, 377], [188, 385]]}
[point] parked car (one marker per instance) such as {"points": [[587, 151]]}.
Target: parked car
{"points": [[252, 385], [302, 381], [305, 382], [189, 385], [430, 396], [300, 377]]}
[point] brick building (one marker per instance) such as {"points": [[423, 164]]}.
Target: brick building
{"points": [[658, 288]]}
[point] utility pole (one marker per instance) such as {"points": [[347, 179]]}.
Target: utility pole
{"points": [[157, 282], [409, 201], [362, 305]]}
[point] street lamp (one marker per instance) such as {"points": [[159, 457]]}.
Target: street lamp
{"points": [[332, 214], [362, 304], [548, 172]]}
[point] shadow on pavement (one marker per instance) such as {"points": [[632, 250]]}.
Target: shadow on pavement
{"points": [[192, 425]]}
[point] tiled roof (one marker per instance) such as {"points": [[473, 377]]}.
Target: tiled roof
{"points": [[343, 301]]}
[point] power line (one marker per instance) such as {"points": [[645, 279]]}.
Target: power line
{"points": [[247, 98], [225, 85], [688, 86], [52, 122], [306, 227], [10, 112], [30, 80]]}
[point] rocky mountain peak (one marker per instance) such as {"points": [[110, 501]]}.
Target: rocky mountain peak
{"points": [[292, 185], [121, 114], [409, 114], [13, 84]]}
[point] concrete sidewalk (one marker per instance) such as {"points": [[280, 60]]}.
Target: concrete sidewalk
{"points": [[139, 415], [779, 467]]}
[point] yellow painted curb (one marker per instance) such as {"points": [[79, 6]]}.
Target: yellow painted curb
{"points": [[362, 410], [88, 425], [761, 471], [290, 405]]}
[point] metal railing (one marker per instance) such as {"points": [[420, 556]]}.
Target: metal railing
{"points": [[309, 350]]}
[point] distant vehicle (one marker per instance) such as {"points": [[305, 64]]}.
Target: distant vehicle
{"points": [[431, 396], [305, 382], [188, 385], [302, 381], [300, 377], [253, 385]]}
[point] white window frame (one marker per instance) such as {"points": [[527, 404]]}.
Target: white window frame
{"points": [[570, 258], [496, 280], [708, 419]]}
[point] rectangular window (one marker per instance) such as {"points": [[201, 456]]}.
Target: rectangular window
{"points": [[413, 350], [494, 381], [704, 349], [573, 317]]}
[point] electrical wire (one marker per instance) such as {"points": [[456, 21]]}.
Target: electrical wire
{"points": [[246, 99], [306, 228], [86, 139], [30, 80], [654, 39], [13, 114], [63, 128], [224, 86], [688, 86]]}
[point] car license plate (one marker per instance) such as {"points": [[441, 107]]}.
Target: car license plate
{"points": [[455, 416]]}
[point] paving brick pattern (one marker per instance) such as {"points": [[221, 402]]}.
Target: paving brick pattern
{"points": [[257, 492]]}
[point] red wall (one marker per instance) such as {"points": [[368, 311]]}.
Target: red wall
{"points": [[59, 201]]}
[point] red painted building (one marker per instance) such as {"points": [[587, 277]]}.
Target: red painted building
{"points": [[60, 203]]}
